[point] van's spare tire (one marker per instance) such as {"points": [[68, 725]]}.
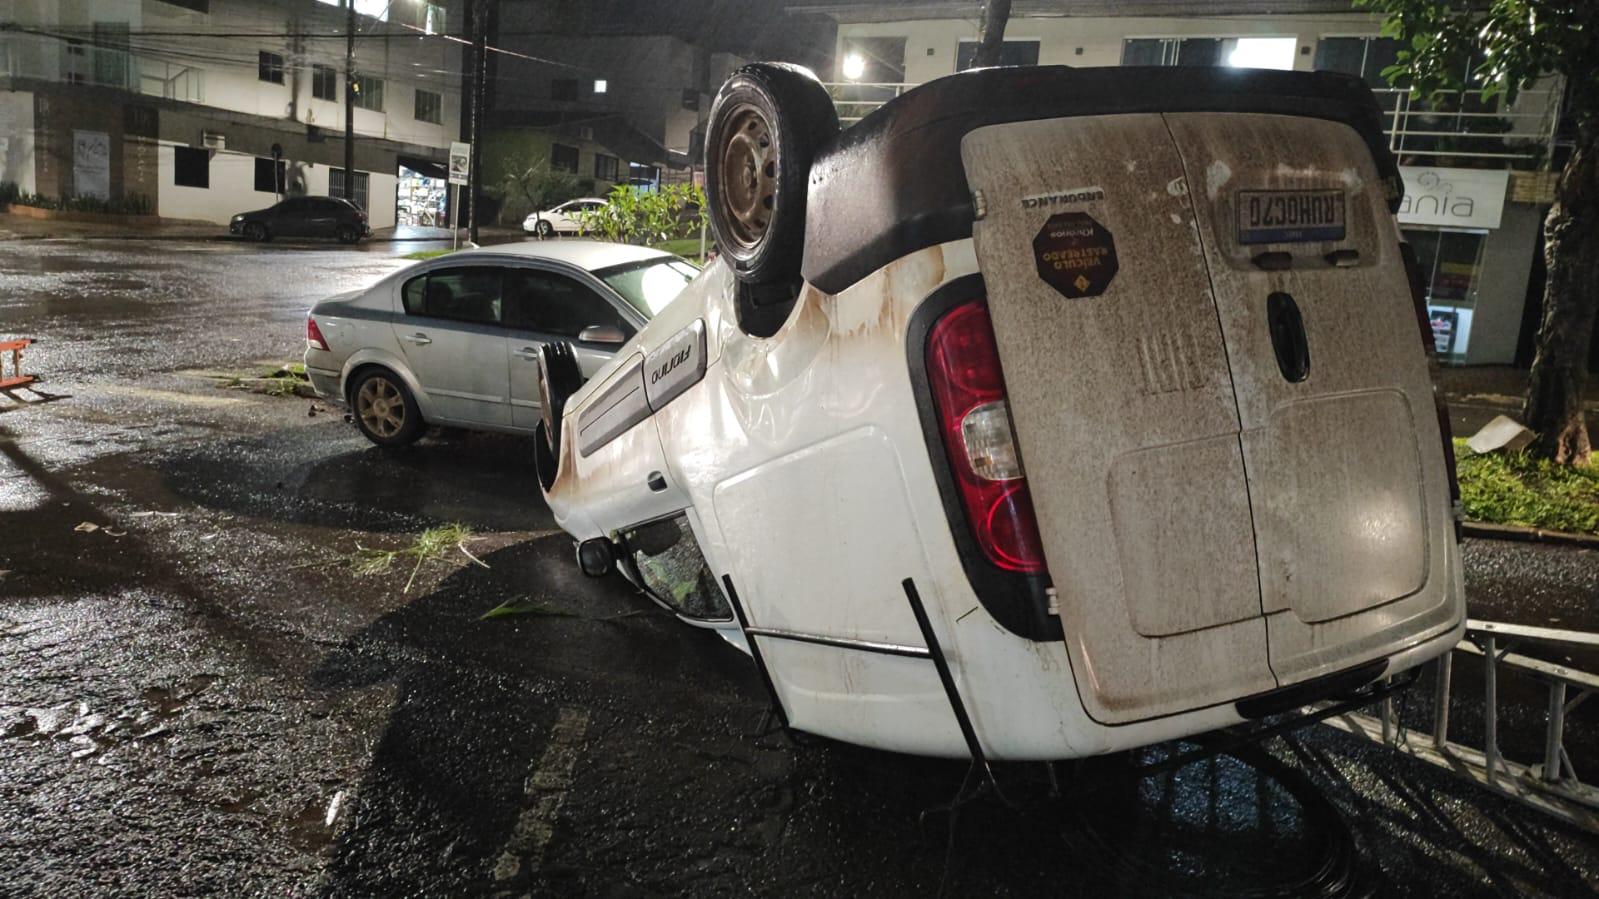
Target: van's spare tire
{"points": [[766, 126], [559, 378]]}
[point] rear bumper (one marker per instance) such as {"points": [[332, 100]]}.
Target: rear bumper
{"points": [[325, 383]]}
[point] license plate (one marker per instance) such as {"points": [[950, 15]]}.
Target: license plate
{"points": [[1290, 216]]}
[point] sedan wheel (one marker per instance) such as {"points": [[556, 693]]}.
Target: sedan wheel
{"points": [[544, 229], [385, 411], [255, 231]]}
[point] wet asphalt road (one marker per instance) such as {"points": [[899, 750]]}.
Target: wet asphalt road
{"points": [[199, 697]]}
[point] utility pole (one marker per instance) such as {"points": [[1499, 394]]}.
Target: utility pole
{"points": [[480, 51], [349, 99]]}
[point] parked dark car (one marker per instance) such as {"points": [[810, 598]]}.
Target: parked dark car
{"points": [[304, 217]]}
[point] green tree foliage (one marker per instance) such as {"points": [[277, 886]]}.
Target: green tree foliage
{"points": [[1500, 47], [631, 215], [531, 184]]}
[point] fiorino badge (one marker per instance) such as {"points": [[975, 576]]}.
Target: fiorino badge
{"points": [[1075, 255]]}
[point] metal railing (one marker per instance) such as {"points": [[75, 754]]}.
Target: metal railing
{"points": [[1472, 124], [857, 99], [1477, 127], [1553, 786], [25, 56]]}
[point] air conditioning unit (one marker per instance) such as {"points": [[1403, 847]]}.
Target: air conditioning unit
{"points": [[215, 140]]}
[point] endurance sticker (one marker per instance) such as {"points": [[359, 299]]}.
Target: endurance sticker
{"points": [[1075, 255]]}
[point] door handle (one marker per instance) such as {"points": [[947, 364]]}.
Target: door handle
{"points": [[656, 481], [418, 338], [530, 353]]}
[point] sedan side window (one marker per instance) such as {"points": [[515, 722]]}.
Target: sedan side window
{"points": [[555, 304], [458, 294]]}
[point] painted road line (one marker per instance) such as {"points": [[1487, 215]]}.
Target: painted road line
{"points": [[543, 793]]}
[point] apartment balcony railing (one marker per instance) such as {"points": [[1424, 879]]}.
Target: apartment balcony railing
{"points": [[1456, 125], [1472, 125], [25, 56], [856, 99]]}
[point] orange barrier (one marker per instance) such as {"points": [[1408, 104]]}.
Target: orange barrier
{"points": [[17, 379]]}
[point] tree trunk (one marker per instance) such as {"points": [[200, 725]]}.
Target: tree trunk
{"points": [[991, 36], [1571, 301]]}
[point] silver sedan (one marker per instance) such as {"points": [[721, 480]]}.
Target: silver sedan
{"points": [[454, 341]]}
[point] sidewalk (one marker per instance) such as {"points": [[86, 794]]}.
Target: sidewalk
{"points": [[1478, 393], [16, 227]]}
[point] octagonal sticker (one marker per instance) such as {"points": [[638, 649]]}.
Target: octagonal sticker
{"points": [[1076, 255]]}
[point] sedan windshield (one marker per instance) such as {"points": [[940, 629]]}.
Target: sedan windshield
{"points": [[649, 285]]}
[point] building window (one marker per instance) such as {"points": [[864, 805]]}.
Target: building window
{"points": [[1238, 52], [270, 175], [563, 157], [368, 92], [1362, 56], [563, 89], [429, 107], [324, 82], [73, 61], [601, 85], [191, 167], [1365, 57], [1012, 53], [336, 187], [432, 18], [270, 67], [605, 167], [1451, 266], [111, 54]]}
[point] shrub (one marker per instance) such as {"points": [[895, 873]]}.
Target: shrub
{"points": [[632, 215]]}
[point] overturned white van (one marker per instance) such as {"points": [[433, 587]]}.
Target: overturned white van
{"points": [[1045, 412]]}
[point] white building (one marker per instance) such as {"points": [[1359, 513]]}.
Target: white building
{"points": [[178, 104], [1476, 242]]}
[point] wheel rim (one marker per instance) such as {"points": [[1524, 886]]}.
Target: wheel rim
{"points": [[381, 407], [545, 229], [748, 169]]}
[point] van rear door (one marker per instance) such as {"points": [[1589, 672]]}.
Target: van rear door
{"points": [[1124, 410], [1346, 469]]}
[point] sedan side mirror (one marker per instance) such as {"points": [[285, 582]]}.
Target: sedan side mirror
{"points": [[609, 335]]}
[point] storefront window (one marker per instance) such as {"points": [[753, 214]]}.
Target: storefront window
{"points": [[1451, 267]]}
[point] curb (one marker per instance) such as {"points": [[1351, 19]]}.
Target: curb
{"points": [[1484, 531]]}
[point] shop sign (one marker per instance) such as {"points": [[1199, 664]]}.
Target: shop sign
{"points": [[460, 162], [1453, 198], [91, 164]]}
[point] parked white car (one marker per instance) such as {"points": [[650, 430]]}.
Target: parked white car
{"points": [[563, 219], [1045, 412], [455, 340]]}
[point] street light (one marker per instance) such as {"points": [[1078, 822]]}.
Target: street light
{"points": [[854, 66]]}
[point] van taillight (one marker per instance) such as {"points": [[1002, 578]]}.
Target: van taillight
{"points": [[313, 334], [968, 391], [1418, 299]]}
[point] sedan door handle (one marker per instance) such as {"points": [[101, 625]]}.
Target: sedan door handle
{"points": [[530, 353], [418, 338]]}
